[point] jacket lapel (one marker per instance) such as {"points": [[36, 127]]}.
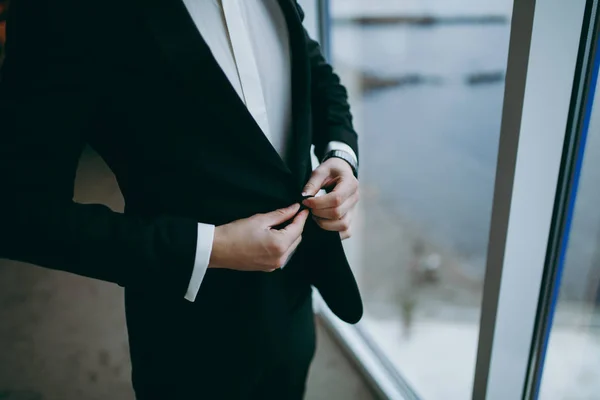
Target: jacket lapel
{"points": [[298, 157], [183, 46]]}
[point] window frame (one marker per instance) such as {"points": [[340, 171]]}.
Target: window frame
{"points": [[582, 101]]}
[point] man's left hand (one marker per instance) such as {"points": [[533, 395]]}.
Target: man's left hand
{"points": [[333, 211]]}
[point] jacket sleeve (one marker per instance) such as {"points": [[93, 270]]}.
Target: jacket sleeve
{"points": [[49, 98], [331, 111]]}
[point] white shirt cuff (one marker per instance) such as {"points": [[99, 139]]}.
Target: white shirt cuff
{"points": [[335, 145], [206, 234]]}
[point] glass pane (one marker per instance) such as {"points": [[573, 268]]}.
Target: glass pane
{"points": [[572, 367], [426, 81]]}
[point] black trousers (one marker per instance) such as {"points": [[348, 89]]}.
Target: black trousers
{"points": [[237, 374]]}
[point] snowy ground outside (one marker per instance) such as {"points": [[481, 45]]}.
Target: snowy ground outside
{"points": [[438, 359]]}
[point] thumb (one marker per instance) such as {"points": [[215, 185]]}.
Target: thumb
{"points": [[316, 182], [281, 215], [296, 227]]}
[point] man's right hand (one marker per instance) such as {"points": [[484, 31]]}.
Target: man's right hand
{"points": [[254, 244]]}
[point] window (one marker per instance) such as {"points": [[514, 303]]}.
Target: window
{"points": [[426, 85], [464, 110], [569, 326], [572, 363]]}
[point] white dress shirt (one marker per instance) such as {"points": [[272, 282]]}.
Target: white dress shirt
{"points": [[249, 40]]}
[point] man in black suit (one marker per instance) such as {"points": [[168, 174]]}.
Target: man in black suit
{"points": [[205, 110]]}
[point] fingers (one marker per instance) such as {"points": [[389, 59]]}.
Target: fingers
{"points": [[281, 215], [286, 240], [294, 230], [292, 248], [339, 225], [283, 259], [343, 191], [337, 212], [317, 180], [346, 234]]}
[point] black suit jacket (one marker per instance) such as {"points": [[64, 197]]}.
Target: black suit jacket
{"points": [[139, 84]]}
